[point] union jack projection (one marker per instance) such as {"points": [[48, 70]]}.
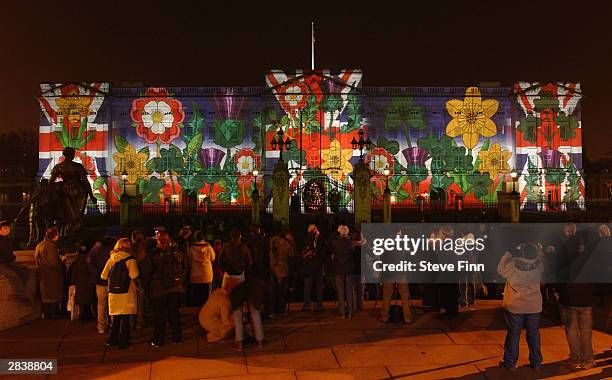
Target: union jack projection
{"points": [[72, 116], [549, 144]]}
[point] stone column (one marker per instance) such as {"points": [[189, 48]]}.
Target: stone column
{"points": [[362, 195], [124, 209], [280, 193]]}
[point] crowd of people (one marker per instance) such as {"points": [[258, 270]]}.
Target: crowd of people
{"points": [[141, 280]]}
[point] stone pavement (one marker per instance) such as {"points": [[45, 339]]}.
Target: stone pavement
{"points": [[309, 346]]}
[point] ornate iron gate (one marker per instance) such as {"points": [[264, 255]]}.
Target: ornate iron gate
{"points": [[321, 195]]}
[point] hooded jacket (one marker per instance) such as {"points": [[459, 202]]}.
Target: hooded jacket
{"points": [[202, 256], [522, 291]]}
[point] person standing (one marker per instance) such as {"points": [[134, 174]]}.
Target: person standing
{"points": [[358, 242], [313, 258], [201, 275], [341, 249], [282, 250], [449, 281], [51, 274], [253, 289], [120, 271], [575, 301], [16, 273], [98, 257], [522, 302], [217, 272], [139, 251], [163, 272], [85, 293]]}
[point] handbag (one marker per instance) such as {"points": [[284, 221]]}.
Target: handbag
{"points": [[71, 306]]}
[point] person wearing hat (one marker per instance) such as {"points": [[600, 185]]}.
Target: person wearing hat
{"points": [[73, 191], [341, 248]]}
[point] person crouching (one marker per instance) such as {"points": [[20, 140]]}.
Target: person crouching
{"points": [[215, 315]]}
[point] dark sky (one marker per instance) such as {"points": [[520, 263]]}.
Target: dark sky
{"points": [[234, 43]]}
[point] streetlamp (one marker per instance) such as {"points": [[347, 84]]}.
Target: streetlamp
{"points": [[514, 175], [124, 176], [361, 143], [281, 142], [386, 173]]}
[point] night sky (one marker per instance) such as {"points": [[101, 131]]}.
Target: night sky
{"points": [[234, 43]]}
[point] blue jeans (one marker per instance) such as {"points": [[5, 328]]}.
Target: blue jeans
{"points": [[255, 318], [514, 325], [345, 289], [317, 279]]}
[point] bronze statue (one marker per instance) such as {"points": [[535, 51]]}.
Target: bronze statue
{"points": [[70, 195], [41, 213]]}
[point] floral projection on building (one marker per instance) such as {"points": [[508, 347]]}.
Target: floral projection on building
{"points": [[186, 144]]}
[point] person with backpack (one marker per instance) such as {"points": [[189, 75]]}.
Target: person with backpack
{"points": [[201, 274], [163, 273], [120, 271]]}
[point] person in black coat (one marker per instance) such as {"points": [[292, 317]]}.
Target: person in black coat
{"points": [[341, 249], [576, 299], [313, 257], [79, 276]]}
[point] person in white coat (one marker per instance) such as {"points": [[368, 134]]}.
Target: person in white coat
{"points": [[121, 305], [522, 301]]}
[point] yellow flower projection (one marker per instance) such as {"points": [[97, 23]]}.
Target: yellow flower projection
{"points": [[133, 162], [336, 160], [494, 161], [471, 117]]}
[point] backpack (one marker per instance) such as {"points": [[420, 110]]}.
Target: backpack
{"points": [[119, 277], [171, 271]]}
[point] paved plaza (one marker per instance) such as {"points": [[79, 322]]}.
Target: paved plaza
{"points": [[311, 346]]}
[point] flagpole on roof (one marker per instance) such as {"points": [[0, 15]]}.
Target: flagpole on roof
{"points": [[312, 48]]}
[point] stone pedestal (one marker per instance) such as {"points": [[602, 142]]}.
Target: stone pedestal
{"points": [[362, 194], [508, 206], [387, 206], [280, 194], [255, 211]]}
